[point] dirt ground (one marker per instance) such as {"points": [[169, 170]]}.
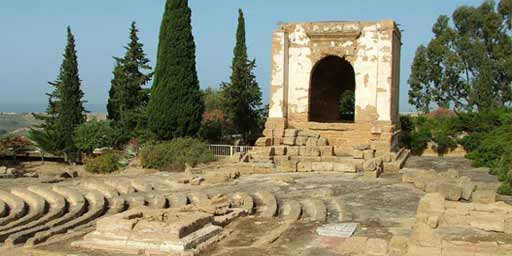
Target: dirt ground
{"points": [[383, 207]]}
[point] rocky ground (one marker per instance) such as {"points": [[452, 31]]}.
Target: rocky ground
{"points": [[383, 207]]}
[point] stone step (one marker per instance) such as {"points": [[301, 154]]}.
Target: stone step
{"points": [[177, 200], [135, 200], [106, 190], [266, 204], [157, 201], [142, 185], [116, 205], [342, 209], [244, 201], [314, 210], [3, 209], [76, 206], [123, 186], [36, 208], [16, 206], [198, 198], [97, 205], [57, 208], [291, 210]]}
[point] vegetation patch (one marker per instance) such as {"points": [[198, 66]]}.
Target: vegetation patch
{"points": [[105, 163], [175, 154]]}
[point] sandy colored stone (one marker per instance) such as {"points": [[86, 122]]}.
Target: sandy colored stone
{"points": [[418, 250], [450, 191], [353, 245], [289, 141], [344, 167], [322, 166], [368, 154], [357, 154], [322, 142], [263, 142], [490, 221], [457, 248], [312, 142], [292, 151], [280, 150], [309, 151], [301, 141], [288, 166], [291, 133], [484, 196], [508, 225], [326, 151], [304, 166], [376, 247]]}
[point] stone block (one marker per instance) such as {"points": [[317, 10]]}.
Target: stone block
{"points": [[304, 166], [372, 164], [344, 167], [280, 150], [362, 147], [353, 246], [301, 141], [307, 158], [484, 196], [312, 142], [279, 159], [288, 166], [397, 245], [456, 217], [433, 203], [357, 154], [423, 235], [489, 221], [468, 187], [309, 151], [292, 151], [322, 142], [273, 133], [376, 247], [326, 151], [322, 166], [450, 191], [368, 154], [310, 134], [417, 250], [263, 142], [289, 141], [371, 174], [457, 248], [431, 187], [508, 226], [291, 133]]}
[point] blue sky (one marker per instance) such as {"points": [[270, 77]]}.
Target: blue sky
{"points": [[33, 38]]}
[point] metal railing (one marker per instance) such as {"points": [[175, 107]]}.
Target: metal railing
{"points": [[228, 150]]}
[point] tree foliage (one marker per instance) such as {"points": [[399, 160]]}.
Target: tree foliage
{"points": [[96, 134], [242, 94], [65, 108], [175, 107], [466, 65], [127, 96]]}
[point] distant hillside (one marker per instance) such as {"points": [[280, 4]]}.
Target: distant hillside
{"points": [[20, 123]]}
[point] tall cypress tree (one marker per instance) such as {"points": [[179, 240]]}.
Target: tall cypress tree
{"points": [[65, 109], [175, 107], [242, 93], [127, 97]]}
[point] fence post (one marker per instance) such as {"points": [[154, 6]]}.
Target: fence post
{"points": [[231, 151]]}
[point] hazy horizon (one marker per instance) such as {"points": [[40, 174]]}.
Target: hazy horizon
{"points": [[34, 39]]}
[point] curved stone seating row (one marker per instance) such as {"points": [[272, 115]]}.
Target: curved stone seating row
{"points": [[177, 200], [36, 208], [3, 209], [106, 190], [142, 186], [97, 206], [123, 186], [57, 208], [75, 205], [15, 205], [197, 198]]}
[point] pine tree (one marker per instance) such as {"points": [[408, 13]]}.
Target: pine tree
{"points": [[175, 107], [65, 110], [242, 93], [127, 97]]}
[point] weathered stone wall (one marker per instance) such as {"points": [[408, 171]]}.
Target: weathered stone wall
{"points": [[373, 50]]}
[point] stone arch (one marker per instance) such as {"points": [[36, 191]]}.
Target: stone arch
{"points": [[332, 77]]}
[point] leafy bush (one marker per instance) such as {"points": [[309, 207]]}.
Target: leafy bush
{"points": [[419, 131], [173, 155], [96, 134], [105, 163]]}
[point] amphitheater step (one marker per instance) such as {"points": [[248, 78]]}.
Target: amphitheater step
{"points": [[17, 207], [57, 208], [315, 210], [244, 201], [177, 200], [123, 186], [291, 210], [116, 205], [96, 208], [135, 200], [157, 201], [197, 198], [3, 209], [106, 190], [266, 204], [36, 208], [142, 186], [76, 207]]}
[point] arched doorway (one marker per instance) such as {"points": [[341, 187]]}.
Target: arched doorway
{"points": [[331, 92]]}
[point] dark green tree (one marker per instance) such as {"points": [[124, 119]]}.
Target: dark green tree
{"points": [[466, 66], [127, 96], [242, 94], [175, 106], [65, 110]]}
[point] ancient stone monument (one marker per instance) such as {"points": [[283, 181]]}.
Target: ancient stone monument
{"points": [[315, 63]]}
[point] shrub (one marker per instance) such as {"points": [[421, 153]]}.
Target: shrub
{"points": [[106, 163], [96, 134], [175, 154]]}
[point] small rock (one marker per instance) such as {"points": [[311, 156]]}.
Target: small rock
{"points": [[196, 181]]}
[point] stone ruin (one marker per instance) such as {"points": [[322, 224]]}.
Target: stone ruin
{"points": [[313, 64]]}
